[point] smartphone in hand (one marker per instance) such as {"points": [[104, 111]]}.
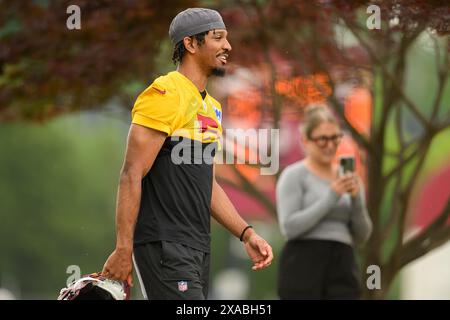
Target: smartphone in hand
{"points": [[346, 164]]}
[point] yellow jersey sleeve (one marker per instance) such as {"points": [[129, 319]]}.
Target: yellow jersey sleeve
{"points": [[158, 107]]}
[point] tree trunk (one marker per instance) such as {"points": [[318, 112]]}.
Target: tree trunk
{"points": [[372, 254]]}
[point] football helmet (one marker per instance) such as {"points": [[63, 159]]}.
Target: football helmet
{"points": [[95, 287]]}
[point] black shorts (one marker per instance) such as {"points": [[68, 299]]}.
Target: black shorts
{"points": [[172, 271], [318, 269]]}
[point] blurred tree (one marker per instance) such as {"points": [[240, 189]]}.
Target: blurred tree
{"points": [[333, 38], [47, 69], [55, 199]]}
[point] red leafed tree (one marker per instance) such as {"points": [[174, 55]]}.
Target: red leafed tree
{"points": [[47, 69], [307, 34]]}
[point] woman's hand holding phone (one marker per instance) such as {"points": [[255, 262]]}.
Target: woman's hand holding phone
{"points": [[346, 183], [343, 184]]}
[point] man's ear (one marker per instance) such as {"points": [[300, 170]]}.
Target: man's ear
{"points": [[189, 44]]}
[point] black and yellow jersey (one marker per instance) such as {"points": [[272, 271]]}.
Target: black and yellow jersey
{"points": [[176, 192]]}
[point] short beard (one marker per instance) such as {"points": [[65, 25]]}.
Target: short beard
{"points": [[218, 72]]}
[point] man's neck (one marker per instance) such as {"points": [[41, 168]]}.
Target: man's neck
{"points": [[193, 73]]}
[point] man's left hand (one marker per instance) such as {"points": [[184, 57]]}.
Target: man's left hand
{"points": [[259, 251]]}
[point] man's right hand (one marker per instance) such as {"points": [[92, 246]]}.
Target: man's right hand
{"points": [[119, 266]]}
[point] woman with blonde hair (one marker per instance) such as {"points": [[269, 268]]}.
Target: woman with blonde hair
{"points": [[323, 215]]}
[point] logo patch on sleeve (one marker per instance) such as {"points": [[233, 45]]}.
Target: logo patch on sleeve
{"points": [[159, 90], [218, 114]]}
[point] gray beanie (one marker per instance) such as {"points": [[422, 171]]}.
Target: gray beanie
{"points": [[192, 21]]}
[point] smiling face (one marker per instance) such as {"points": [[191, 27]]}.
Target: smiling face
{"points": [[321, 144], [213, 53]]}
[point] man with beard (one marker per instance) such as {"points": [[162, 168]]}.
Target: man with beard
{"points": [[164, 204]]}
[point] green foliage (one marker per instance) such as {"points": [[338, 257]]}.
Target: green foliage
{"points": [[57, 192]]}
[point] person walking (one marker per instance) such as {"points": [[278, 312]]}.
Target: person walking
{"points": [[168, 189]]}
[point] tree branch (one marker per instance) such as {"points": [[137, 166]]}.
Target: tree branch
{"points": [[248, 188], [394, 261], [399, 174], [431, 133], [405, 148], [443, 126], [432, 228], [436, 240], [337, 107], [223, 180], [414, 109], [254, 191], [402, 201], [442, 72], [401, 164]]}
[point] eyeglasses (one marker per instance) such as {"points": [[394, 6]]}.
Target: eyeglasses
{"points": [[322, 141]]}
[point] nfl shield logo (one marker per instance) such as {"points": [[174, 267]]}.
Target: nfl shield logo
{"points": [[182, 286]]}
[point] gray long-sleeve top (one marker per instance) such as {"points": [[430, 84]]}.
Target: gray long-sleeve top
{"points": [[309, 209]]}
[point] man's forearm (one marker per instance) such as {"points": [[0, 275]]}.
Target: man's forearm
{"points": [[128, 200], [225, 213]]}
